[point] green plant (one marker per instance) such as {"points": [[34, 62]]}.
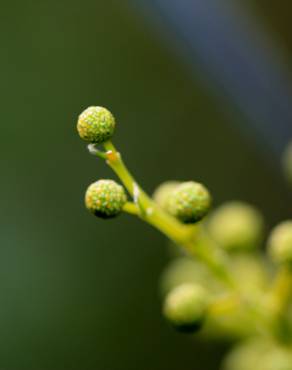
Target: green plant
{"points": [[221, 286]]}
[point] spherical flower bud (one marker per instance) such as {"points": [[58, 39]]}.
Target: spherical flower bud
{"points": [[189, 202], [280, 243], [105, 198], [163, 191], [186, 307], [96, 125], [236, 226], [246, 355], [259, 353], [186, 269]]}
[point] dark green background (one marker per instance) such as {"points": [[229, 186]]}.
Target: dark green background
{"points": [[77, 292]]}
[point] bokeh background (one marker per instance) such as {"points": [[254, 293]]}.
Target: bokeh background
{"points": [[201, 90]]}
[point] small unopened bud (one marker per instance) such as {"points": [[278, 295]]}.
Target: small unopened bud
{"points": [[186, 307], [185, 269], [236, 226], [189, 202], [96, 125], [105, 198], [280, 243], [259, 353]]}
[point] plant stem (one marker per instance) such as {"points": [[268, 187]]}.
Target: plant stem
{"points": [[149, 210], [281, 290], [197, 243], [184, 235], [278, 302], [131, 208], [224, 305]]}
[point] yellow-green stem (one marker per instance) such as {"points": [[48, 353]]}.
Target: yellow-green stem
{"points": [[184, 235], [149, 210], [191, 238], [281, 290], [131, 208], [224, 305]]}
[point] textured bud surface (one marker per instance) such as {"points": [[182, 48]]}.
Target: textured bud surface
{"points": [[236, 226], [105, 198], [163, 191], [96, 125], [186, 307], [189, 202], [280, 243]]}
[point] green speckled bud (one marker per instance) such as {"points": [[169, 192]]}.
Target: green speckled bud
{"points": [[236, 226], [189, 202], [186, 307], [163, 191], [96, 125], [105, 198], [280, 243]]}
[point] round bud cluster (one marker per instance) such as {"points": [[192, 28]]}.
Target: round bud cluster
{"points": [[96, 125], [236, 226], [189, 202], [105, 198], [163, 191], [186, 307], [280, 243]]}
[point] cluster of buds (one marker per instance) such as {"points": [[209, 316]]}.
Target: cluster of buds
{"points": [[189, 201], [103, 198], [257, 316], [220, 284]]}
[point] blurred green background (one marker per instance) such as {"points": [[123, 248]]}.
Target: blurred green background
{"points": [[77, 292]]}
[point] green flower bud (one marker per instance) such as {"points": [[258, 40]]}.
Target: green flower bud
{"points": [[185, 269], [280, 243], [259, 354], [236, 226], [245, 356], [252, 273], [96, 125], [163, 191], [189, 202], [186, 307], [105, 198]]}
